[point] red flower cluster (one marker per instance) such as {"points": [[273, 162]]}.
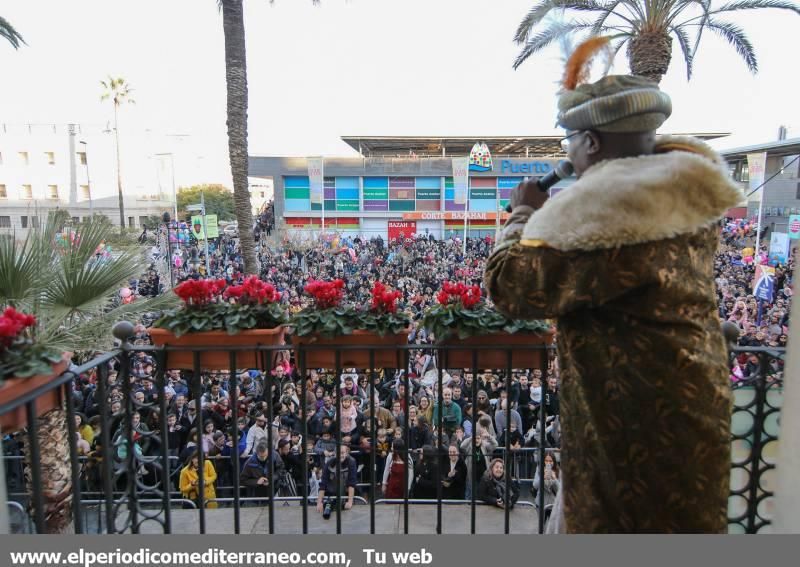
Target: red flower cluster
{"points": [[253, 291], [199, 292], [12, 323], [468, 295], [326, 294], [383, 300]]}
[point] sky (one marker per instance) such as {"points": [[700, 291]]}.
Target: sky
{"points": [[353, 67]]}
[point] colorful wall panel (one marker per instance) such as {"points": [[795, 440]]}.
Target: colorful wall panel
{"points": [[296, 193], [449, 195], [483, 194], [351, 223], [429, 193], [376, 193], [504, 187]]}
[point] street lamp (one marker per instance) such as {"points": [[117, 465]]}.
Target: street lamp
{"points": [[174, 192], [166, 219], [88, 179]]}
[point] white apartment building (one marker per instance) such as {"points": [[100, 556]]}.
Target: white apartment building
{"points": [[44, 167]]}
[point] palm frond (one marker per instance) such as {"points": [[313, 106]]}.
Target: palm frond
{"points": [[542, 39], [734, 35], [756, 5], [686, 49], [531, 19], [540, 11], [8, 33], [94, 332], [67, 287]]}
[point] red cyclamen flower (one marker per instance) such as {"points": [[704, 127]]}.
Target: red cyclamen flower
{"points": [[13, 323], [384, 300], [326, 294], [253, 291], [200, 292]]}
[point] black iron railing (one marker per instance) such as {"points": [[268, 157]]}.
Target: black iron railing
{"points": [[121, 489]]}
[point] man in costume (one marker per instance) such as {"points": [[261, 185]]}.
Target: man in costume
{"points": [[623, 260]]}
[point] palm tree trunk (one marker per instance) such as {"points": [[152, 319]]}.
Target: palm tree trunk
{"points": [[119, 174], [649, 54], [236, 79], [55, 471]]}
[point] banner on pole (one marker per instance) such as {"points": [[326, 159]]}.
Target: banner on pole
{"points": [[778, 248], [316, 180], [198, 230], [756, 167], [764, 283], [212, 226], [460, 179], [794, 226]]}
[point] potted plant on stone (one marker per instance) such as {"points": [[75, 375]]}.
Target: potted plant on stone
{"points": [[56, 276], [213, 314], [329, 322], [463, 317]]}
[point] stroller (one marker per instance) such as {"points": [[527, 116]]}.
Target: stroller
{"points": [[285, 485]]}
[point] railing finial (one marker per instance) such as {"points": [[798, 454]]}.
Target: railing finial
{"points": [[123, 330]]}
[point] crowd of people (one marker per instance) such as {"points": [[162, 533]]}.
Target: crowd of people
{"points": [[256, 433]]}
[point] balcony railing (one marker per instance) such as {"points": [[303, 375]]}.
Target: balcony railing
{"points": [[118, 490]]}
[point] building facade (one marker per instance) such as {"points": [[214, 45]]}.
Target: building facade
{"points": [[72, 167], [398, 188], [404, 185], [781, 185]]}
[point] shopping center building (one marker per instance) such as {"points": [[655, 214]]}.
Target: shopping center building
{"points": [[404, 185]]}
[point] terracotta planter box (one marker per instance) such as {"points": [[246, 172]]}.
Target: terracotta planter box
{"points": [[497, 358], [14, 388], [219, 359], [355, 358]]}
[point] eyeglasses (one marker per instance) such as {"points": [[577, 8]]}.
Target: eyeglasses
{"points": [[565, 141]]}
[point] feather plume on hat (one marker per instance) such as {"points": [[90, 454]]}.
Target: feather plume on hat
{"points": [[580, 62]]}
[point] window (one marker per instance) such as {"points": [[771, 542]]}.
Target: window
{"points": [[50, 157], [82, 158], [52, 191], [5, 222], [27, 192], [23, 221], [23, 158], [35, 222], [86, 194], [131, 224], [3, 192], [76, 220]]}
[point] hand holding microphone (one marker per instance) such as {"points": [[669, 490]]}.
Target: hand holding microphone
{"points": [[533, 192]]}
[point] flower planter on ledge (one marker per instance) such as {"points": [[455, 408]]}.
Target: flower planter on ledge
{"points": [[218, 359], [497, 358], [353, 358], [14, 388]]}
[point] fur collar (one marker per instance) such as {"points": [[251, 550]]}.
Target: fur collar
{"points": [[680, 189]]}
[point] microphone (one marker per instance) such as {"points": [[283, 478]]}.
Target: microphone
{"points": [[562, 170]]}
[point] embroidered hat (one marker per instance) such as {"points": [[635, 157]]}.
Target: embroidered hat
{"points": [[615, 103]]}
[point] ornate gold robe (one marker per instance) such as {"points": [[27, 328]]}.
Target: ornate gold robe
{"points": [[623, 259]]}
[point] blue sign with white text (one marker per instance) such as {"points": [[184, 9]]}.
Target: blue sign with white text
{"points": [[535, 167]]}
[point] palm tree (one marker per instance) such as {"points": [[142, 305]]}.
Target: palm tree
{"points": [[8, 32], [119, 92], [646, 26], [236, 80], [71, 291]]}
